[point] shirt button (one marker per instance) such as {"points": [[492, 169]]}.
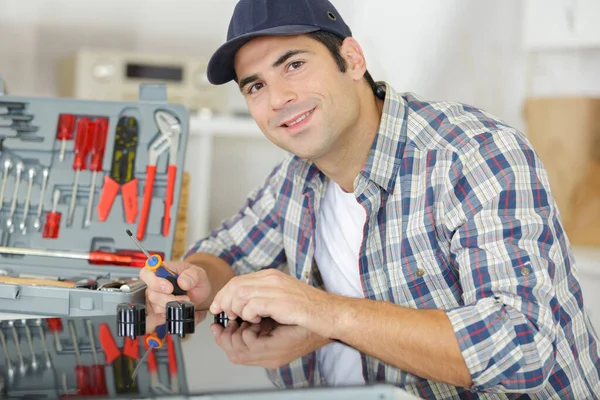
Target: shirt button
{"points": [[525, 271], [420, 272]]}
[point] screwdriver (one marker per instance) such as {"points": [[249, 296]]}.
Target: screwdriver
{"points": [[127, 258], [52, 225], [55, 326], [66, 123], [155, 264], [96, 157], [98, 372], [79, 162], [172, 365], [82, 372]]}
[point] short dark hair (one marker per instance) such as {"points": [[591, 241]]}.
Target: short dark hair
{"points": [[334, 43]]}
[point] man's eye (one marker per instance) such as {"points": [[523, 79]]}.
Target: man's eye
{"points": [[254, 88], [296, 64]]}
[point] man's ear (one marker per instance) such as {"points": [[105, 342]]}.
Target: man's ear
{"points": [[355, 59]]}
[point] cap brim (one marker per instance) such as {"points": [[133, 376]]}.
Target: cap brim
{"points": [[220, 68]]}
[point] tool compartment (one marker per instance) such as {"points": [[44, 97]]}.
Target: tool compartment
{"points": [[52, 244], [95, 364]]}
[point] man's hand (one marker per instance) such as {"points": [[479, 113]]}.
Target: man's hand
{"points": [[192, 279], [268, 344], [272, 293]]}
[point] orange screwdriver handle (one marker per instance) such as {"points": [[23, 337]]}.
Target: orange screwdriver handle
{"points": [[172, 174], [150, 175]]}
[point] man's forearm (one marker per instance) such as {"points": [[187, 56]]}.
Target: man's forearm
{"points": [[421, 342], [217, 270]]}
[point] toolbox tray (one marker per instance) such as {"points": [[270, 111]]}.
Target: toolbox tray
{"points": [[28, 133], [35, 379]]}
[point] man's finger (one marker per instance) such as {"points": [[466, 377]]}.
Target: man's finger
{"points": [[159, 300], [237, 341]]}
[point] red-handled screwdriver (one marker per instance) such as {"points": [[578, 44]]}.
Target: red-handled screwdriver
{"points": [[98, 372], [81, 149], [52, 224], [127, 258], [82, 372], [98, 144], [55, 326], [64, 132]]}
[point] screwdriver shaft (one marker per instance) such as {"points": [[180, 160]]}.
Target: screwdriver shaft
{"points": [[73, 199], [88, 213]]}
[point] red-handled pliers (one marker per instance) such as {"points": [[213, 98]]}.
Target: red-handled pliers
{"points": [[170, 129]]}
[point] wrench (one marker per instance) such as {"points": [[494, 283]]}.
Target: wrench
{"points": [[8, 164], [13, 207], [23, 224], [34, 363], [39, 324], [22, 366], [11, 371], [37, 224]]}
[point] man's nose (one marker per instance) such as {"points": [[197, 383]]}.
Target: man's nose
{"points": [[281, 94]]}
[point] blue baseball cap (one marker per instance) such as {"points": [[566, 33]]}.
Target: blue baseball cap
{"points": [[253, 18]]}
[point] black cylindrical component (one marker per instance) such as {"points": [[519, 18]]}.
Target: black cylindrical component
{"points": [[180, 318], [131, 320], [223, 320]]}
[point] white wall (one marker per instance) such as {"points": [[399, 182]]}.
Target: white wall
{"points": [[465, 50]]}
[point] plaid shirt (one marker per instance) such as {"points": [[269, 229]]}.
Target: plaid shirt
{"points": [[459, 217]]}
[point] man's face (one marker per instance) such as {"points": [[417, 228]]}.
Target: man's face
{"points": [[297, 94]]}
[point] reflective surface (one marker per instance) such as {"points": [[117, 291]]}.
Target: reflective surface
{"points": [[58, 357], [51, 358]]}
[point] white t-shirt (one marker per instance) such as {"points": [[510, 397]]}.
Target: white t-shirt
{"points": [[338, 236]]}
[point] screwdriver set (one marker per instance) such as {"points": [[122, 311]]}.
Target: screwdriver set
{"points": [[84, 357], [75, 174]]}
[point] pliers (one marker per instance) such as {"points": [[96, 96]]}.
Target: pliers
{"points": [[170, 131]]}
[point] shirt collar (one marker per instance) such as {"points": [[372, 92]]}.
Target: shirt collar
{"points": [[385, 155]]}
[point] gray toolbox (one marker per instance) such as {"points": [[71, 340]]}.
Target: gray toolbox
{"points": [[74, 176], [84, 357]]}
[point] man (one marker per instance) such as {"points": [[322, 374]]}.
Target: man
{"points": [[402, 241]]}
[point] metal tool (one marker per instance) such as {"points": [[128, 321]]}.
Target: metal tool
{"points": [[8, 164], [37, 224], [34, 363], [23, 224], [38, 322], [9, 222], [122, 172], [98, 371], [82, 372], [79, 162], [170, 129], [22, 366], [52, 225], [9, 366], [96, 156], [17, 117], [127, 258], [64, 132]]}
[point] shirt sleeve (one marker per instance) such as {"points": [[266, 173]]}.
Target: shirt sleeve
{"points": [[252, 239], [505, 232]]}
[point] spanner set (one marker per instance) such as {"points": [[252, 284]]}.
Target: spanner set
{"points": [[75, 175]]}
